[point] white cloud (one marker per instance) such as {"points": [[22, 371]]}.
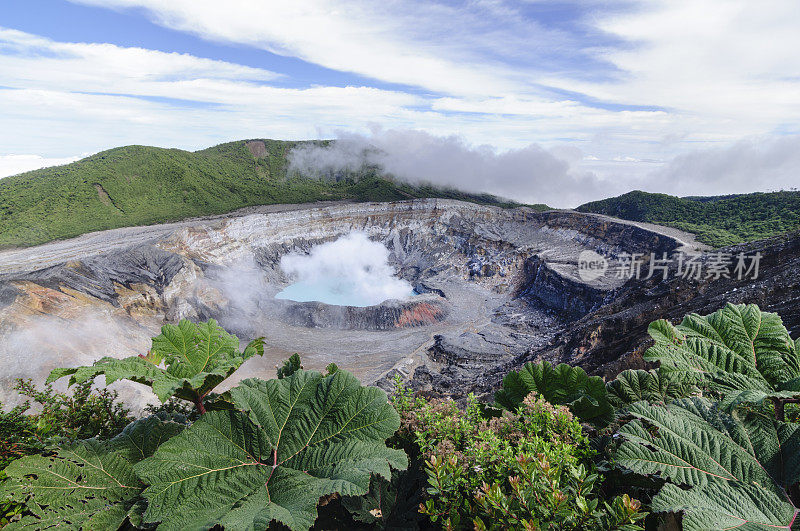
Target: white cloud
{"points": [[427, 44], [14, 164], [749, 165], [725, 68], [531, 174]]}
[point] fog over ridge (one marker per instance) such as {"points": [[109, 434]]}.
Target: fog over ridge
{"points": [[561, 176]]}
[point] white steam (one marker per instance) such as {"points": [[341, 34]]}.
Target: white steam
{"points": [[352, 271], [532, 174], [42, 343]]}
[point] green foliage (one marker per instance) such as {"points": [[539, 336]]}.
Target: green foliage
{"points": [[389, 504], [634, 385], [86, 484], [141, 185], [290, 366], [197, 358], [738, 353], [538, 483], [527, 469], [561, 385], [9, 510], [717, 221], [80, 415], [287, 443], [737, 467]]}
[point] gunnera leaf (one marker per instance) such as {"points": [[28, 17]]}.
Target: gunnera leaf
{"points": [[634, 385], [288, 442], [87, 485], [738, 352], [561, 385], [195, 358], [736, 468]]}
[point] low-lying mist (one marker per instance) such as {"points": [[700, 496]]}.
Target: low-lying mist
{"points": [[532, 174]]}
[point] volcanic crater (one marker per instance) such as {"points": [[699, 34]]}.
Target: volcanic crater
{"points": [[491, 285]]}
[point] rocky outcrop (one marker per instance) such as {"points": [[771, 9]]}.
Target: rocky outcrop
{"points": [[99, 276], [389, 315], [613, 337], [556, 287]]}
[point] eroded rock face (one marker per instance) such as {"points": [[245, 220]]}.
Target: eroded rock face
{"points": [[495, 285], [613, 337], [390, 315]]}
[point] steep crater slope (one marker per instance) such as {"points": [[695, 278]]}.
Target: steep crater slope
{"points": [[614, 336], [492, 285]]}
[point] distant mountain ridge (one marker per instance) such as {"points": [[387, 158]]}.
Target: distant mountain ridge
{"points": [[141, 185], [717, 221]]}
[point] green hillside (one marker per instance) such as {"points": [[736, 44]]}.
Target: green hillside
{"points": [[140, 185], [717, 221]]}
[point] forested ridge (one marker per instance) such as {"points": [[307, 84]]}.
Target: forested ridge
{"points": [[717, 221]]}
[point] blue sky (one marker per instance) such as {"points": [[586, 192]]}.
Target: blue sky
{"points": [[559, 101]]}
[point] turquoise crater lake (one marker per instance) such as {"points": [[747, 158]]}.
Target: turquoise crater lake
{"points": [[337, 291]]}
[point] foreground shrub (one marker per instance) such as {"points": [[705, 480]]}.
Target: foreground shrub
{"points": [[527, 469], [732, 461], [80, 415], [571, 386], [657, 386], [87, 484], [285, 444], [738, 354]]}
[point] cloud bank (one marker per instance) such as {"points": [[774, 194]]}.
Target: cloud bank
{"points": [[531, 174], [752, 164], [562, 176]]}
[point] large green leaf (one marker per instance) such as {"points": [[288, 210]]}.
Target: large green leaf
{"points": [[721, 505], [196, 358], [287, 443], [89, 484], [737, 468], [738, 352], [634, 385], [561, 385]]}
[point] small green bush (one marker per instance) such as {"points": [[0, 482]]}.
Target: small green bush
{"points": [[530, 469], [83, 414]]}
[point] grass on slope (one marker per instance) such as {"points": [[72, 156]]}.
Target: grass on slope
{"points": [[139, 185], [717, 221]]}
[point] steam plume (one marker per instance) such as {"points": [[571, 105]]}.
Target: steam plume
{"points": [[351, 270]]}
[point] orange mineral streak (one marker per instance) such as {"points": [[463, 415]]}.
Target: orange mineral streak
{"points": [[422, 314]]}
